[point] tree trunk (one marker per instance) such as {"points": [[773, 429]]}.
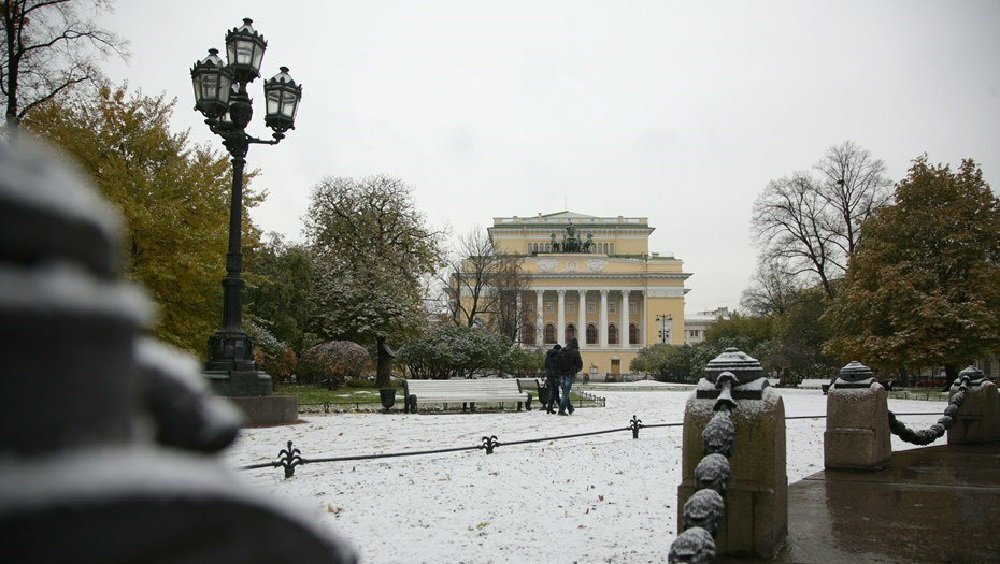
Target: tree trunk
{"points": [[950, 375], [383, 364]]}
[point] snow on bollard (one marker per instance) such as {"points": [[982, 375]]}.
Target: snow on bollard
{"points": [[857, 423], [734, 414]]}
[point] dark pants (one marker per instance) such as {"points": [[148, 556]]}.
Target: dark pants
{"points": [[552, 383], [567, 385]]}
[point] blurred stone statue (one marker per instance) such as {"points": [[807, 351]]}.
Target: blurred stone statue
{"points": [[107, 437]]}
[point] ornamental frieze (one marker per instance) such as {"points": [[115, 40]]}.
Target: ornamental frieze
{"points": [[597, 265]]}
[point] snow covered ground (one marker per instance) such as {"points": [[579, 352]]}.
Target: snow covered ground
{"points": [[606, 498]]}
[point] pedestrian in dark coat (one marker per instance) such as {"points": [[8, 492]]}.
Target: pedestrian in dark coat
{"points": [[568, 363], [552, 378]]}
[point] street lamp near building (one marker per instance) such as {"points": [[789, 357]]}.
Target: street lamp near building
{"points": [[220, 89], [663, 320]]}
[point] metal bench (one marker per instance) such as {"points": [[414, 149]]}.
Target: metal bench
{"points": [[465, 392]]}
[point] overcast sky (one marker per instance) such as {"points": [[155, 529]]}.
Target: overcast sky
{"points": [[676, 111]]}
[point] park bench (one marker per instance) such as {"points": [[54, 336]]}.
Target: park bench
{"points": [[815, 384], [531, 386], [465, 392]]}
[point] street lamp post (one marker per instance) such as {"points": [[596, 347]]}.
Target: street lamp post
{"points": [[663, 318], [221, 96]]}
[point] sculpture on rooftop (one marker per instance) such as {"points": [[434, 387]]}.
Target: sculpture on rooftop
{"points": [[571, 242]]}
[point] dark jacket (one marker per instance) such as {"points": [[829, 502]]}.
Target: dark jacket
{"points": [[550, 362], [572, 350]]}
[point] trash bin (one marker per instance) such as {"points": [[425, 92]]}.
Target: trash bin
{"points": [[388, 397]]}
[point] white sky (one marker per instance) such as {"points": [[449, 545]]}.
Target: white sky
{"points": [[676, 111]]}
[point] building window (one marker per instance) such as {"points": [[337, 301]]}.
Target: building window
{"points": [[612, 307], [548, 307], [571, 307], [591, 307], [550, 334], [528, 334], [570, 331], [612, 334], [534, 247], [633, 334], [591, 334], [633, 307]]}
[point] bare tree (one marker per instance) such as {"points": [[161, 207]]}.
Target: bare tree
{"points": [[772, 290], [854, 185], [813, 224], [483, 284], [50, 47], [791, 222], [509, 283]]}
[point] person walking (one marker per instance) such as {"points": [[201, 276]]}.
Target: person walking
{"points": [[552, 378], [569, 363]]}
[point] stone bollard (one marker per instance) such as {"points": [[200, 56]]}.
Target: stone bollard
{"points": [[857, 422], [108, 439], [756, 499], [977, 421]]}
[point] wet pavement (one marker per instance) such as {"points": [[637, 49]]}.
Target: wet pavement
{"points": [[936, 504]]}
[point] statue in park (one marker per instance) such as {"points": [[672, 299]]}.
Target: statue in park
{"points": [[109, 439]]}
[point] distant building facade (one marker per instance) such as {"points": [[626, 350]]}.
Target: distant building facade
{"points": [[695, 326], [595, 279]]}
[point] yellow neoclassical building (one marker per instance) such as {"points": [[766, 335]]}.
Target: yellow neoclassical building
{"points": [[594, 278]]}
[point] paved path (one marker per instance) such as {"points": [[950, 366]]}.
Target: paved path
{"points": [[936, 504]]}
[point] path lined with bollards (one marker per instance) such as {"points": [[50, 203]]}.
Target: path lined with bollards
{"points": [[933, 504]]}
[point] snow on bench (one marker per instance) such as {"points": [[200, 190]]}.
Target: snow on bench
{"points": [[816, 384], [465, 392], [530, 385]]}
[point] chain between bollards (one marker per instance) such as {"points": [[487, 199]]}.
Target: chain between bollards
{"points": [[927, 436]]}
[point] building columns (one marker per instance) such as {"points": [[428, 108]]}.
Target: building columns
{"points": [[642, 325], [561, 317], [603, 328], [581, 318], [624, 328], [519, 313], [539, 318]]}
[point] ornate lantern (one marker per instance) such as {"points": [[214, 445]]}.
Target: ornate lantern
{"points": [[245, 49], [282, 95], [212, 83]]}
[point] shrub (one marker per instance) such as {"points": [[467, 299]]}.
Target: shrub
{"points": [[523, 363], [271, 355], [450, 351], [331, 364]]}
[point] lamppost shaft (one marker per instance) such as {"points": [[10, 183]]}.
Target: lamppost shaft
{"points": [[233, 283]]}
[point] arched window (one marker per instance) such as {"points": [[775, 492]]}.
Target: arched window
{"points": [[633, 334], [612, 334], [570, 331], [591, 334], [528, 333], [550, 334]]}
